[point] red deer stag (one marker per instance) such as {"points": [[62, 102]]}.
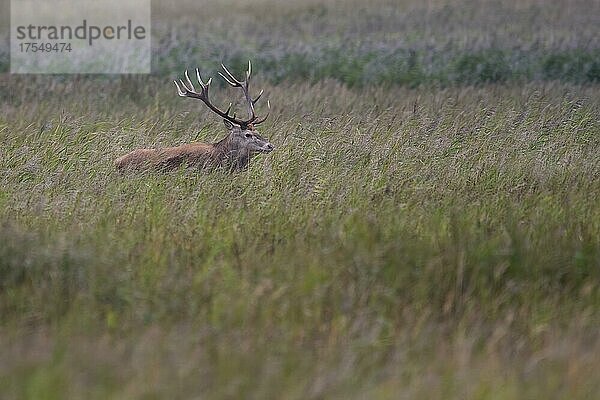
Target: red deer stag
{"points": [[232, 152]]}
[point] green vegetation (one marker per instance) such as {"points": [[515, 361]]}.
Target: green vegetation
{"points": [[398, 66], [386, 43], [438, 238]]}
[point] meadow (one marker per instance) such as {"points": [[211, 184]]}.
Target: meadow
{"points": [[428, 226]]}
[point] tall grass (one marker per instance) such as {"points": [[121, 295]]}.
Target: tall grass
{"points": [[396, 240]]}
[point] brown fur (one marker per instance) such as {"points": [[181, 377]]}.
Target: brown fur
{"points": [[201, 154], [232, 152]]}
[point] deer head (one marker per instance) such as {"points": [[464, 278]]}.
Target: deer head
{"points": [[243, 140]]}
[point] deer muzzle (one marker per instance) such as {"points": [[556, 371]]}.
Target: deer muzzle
{"points": [[267, 148]]}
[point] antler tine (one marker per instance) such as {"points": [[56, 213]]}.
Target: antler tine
{"points": [[202, 84], [189, 81], [260, 121], [179, 91], [187, 89], [258, 97], [227, 80], [249, 71], [232, 80], [187, 92]]}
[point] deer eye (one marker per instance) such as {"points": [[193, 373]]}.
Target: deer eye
{"points": [[248, 135]]}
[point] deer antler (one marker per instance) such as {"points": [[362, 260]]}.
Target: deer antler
{"points": [[188, 90]]}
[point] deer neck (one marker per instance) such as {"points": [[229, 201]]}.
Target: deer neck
{"points": [[230, 154]]}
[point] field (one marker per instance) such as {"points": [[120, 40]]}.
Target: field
{"points": [[428, 226]]}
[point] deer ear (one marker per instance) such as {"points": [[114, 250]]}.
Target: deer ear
{"points": [[228, 124]]}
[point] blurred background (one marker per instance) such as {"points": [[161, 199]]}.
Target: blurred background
{"points": [[379, 42], [386, 42]]}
